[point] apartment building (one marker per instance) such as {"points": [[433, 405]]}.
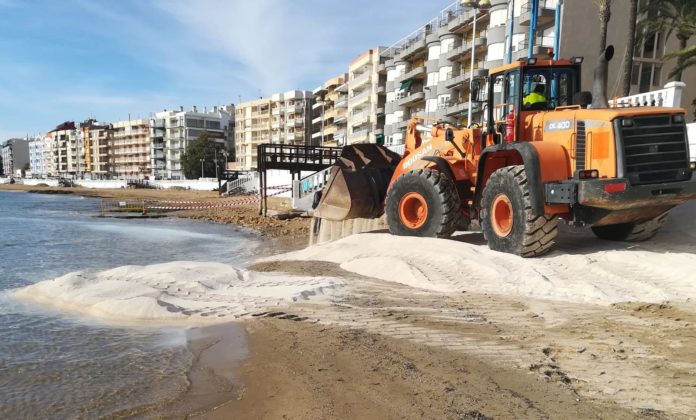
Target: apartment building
{"points": [[131, 155], [329, 112], [95, 138], [64, 149], [37, 158], [172, 131], [15, 156], [366, 98], [283, 118], [429, 71]]}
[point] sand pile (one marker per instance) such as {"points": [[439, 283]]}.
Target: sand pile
{"points": [[601, 277], [181, 292]]}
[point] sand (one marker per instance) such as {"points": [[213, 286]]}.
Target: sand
{"points": [[377, 326], [187, 293], [663, 269]]}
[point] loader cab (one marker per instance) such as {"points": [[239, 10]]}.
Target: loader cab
{"points": [[518, 91]]}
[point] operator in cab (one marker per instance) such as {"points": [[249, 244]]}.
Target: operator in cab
{"points": [[536, 98]]}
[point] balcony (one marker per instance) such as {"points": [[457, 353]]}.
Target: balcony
{"points": [[456, 81], [415, 73], [275, 138], [546, 15], [276, 111], [341, 103], [295, 108], [360, 98], [360, 80], [359, 136], [458, 109], [382, 69], [413, 49], [329, 114], [458, 52], [359, 118], [410, 99], [343, 88], [317, 120], [338, 119]]}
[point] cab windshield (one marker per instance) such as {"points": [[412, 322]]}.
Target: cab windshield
{"points": [[545, 89]]}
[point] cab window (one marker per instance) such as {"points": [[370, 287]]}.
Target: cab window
{"points": [[545, 89]]}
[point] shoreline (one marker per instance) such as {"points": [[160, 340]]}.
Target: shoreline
{"points": [[285, 233]]}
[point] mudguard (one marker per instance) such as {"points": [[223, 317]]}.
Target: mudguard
{"points": [[543, 162]]}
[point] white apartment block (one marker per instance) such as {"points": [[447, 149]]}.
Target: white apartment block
{"points": [[172, 131], [15, 156], [329, 112], [37, 158], [429, 71], [131, 155], [284, 118], [366, 98]]}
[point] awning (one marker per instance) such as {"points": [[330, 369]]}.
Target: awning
{"points": [[406, 84]]}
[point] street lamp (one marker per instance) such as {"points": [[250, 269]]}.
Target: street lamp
{"points": [[202, 161], [476, 5]]}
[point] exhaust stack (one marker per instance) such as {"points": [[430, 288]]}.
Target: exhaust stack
{"points": [[599, 87]]}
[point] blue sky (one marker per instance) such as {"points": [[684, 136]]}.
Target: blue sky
{"points": [[70, 59]]}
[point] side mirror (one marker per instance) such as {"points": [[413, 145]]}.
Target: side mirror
{"points": [[479, 93], [449, 135]]}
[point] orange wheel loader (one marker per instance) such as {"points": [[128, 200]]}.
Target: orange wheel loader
{"points": [[542, 155]]}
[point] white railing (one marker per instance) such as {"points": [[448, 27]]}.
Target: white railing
{"points": [[691, 132], [304, 189], [246, 183], [670, 96], [397, 148]]}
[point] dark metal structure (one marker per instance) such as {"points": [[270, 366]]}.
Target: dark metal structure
{"points": [[296, 159]]}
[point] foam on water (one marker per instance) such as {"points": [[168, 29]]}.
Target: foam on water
{"points": [[151, 234], [181, 292]]}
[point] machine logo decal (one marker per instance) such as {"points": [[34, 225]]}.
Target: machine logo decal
{"points": [[558, 125], [410, 161]]}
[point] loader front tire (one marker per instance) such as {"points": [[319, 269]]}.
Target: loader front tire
{"points": [[423, 203], [507, 220], [631, 232]]}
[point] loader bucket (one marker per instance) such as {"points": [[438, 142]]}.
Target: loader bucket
{"points": [[358, 183]]}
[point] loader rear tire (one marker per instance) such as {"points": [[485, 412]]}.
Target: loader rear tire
{"points": [[423, 203], [507, 220], [631, 232]]}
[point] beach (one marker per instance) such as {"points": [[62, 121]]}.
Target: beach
{"points": [[376, 326]]}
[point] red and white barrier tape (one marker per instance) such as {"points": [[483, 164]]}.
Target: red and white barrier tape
{"points": [[199, 205]]}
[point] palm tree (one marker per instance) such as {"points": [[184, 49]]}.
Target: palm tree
{"points": [[627, 70], [599, 88], [676, 17], [604, 17]]}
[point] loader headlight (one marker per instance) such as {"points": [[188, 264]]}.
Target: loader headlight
{"points": [[692, 166], [627, 122], [678, 119]]}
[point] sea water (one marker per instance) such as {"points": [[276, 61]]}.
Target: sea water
{"points": [[54, 365]]}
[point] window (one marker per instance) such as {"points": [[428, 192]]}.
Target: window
{"points": [[548, 89]]}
